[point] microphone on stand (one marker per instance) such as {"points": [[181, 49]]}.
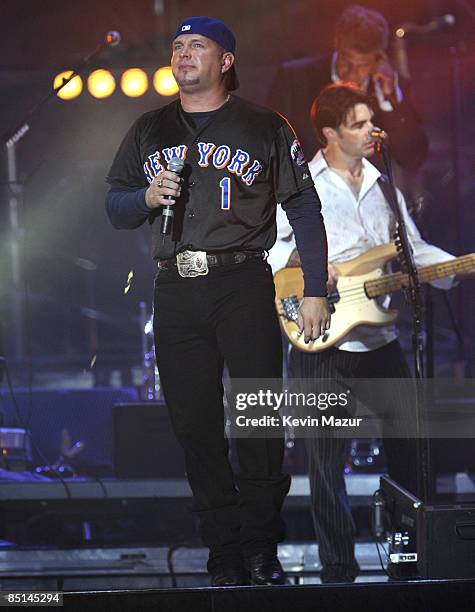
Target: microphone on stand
{"points": [[378, 136], [174, 165], [431, 26], [112, 38]]}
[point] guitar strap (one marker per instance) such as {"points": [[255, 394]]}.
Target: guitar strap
{"points": [[387, 190], [389, 195]]}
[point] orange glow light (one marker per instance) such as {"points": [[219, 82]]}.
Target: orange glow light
{"points": [[72, 89], [134, 82], [164, 81], [101, 83]]}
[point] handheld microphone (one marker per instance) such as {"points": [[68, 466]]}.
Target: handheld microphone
{"points": [[174, 165], [112, 38], [431, 26]]}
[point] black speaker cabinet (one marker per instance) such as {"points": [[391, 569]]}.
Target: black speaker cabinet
{"points": [[442, 535], [446, 541], [144, 444]]}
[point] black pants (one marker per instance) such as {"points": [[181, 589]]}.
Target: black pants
{"points": [[227, 315], [334, 525]]}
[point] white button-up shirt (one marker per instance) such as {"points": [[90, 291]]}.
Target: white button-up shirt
{"points": [[354, 225]]}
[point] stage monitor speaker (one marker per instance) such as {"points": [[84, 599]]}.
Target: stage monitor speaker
{"points": [[144, 444], [442, 536]]}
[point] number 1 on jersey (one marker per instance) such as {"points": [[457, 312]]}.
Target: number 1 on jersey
{"points": [[225, 185]]}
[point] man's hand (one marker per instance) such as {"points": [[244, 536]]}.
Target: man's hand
{"points": [[332, 278], [384, 75], [166, 183], [294, 260], [314, 317]]}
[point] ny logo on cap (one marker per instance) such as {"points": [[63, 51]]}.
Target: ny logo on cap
{"points": [[185, 28]]}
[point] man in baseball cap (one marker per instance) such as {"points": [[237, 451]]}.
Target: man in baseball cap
{"points": [[217, 31], [239, 160]]}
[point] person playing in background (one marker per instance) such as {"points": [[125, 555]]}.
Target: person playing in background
{"points": [[357, 217], [360, 56], [214, 294]]}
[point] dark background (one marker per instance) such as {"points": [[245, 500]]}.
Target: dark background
{"points": [[75, 264]]}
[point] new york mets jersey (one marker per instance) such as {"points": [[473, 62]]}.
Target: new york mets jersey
{"points": [[238, 165]]}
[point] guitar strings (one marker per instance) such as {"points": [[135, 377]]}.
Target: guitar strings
{"points": [[461, 266], [351, 293], [357, 294]]}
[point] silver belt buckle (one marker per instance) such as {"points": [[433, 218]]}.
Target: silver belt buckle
{"points": [[192, 263]]}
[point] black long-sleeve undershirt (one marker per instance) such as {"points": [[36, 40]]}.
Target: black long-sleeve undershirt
{"points": [[304, 214], [127, 209]]}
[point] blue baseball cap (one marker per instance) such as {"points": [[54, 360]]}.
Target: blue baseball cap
{"points": [[215, 30]]}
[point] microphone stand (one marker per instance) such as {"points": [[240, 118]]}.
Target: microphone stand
{"points": [[10, 140], [414, 297], [462, 365]]}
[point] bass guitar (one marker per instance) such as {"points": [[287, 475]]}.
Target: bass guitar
{"points": [[360, 281]]}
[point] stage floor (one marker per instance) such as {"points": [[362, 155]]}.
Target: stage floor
{"points": [[153, 567]]}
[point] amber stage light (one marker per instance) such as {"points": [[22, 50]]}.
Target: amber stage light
{"points": [[72, 89], [101, 83], [164, 81], [134, 82]]}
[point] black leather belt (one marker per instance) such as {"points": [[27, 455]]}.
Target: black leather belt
{"points": [[217, 259]]}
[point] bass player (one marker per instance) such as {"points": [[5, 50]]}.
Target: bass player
{"points": [[357, 218]]}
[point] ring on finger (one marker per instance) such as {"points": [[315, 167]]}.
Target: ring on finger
{"points": [[159, 182]]}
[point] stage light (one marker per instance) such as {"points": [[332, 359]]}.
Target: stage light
{"points": [[101, 83], [164, 82], [134, 82], [72, 89]]}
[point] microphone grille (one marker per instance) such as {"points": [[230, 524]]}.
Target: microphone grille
{"points": [[176, 165], [113, 38]]}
